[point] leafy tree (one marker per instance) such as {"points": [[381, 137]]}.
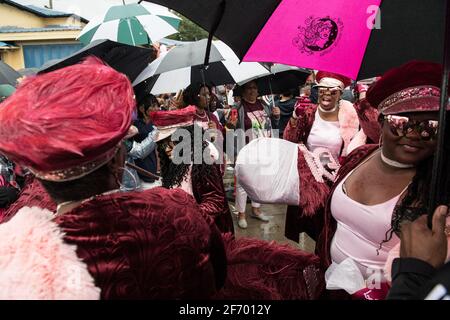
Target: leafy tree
{"points": [[189, 31]]}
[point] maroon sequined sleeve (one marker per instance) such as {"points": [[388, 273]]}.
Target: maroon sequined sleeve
{"points": [[300, 132]]}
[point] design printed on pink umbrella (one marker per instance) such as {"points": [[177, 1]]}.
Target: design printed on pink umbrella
{"points": [[318, 35]]}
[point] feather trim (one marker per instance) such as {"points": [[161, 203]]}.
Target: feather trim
{"points": [[36, 263]]}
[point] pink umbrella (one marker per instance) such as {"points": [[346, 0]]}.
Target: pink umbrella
{"points": [[324, 35]]}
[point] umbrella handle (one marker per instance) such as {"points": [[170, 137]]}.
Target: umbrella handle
{"points": [[142, 171]]}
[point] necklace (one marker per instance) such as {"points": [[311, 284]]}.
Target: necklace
{"points": [[395, 164], [328, 111], [204, 116]]}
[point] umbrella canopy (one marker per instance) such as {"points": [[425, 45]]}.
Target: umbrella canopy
{"points": [[217, 73], [5, 91], [132, 24], [282, 78], [183, 65], [408, 29], [238, 16], [186, 55], [28, 71], [126, 59], [8, 75], [163, 13], [315, 34]]}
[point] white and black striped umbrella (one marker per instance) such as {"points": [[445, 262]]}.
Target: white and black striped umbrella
{"points": [[176, 70]]}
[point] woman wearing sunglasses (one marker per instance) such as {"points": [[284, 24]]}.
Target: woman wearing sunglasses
{"points": [[380, 186], [331, 125]]}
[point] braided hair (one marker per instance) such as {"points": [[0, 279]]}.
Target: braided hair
{"points": [[174, 174]]}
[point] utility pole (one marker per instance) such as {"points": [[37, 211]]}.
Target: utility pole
{"points": [[50, 4]]}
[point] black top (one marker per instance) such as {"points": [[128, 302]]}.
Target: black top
{"points": [[414, 279], [286, 110]]}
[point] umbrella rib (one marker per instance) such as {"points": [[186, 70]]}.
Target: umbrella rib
{"points": [[131, 32]]}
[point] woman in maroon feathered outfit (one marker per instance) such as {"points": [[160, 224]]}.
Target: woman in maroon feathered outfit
{"points": [[67, 127], [256, 269], [202, 179]]}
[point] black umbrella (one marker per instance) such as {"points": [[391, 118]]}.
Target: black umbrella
{"points": [[235, 22], [282, 81], [124, 58], [410, 30], [8, 75]]}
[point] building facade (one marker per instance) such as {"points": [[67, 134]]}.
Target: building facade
{"points": [[31, 36]]}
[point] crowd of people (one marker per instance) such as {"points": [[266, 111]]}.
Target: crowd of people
{"points": [[126, 198]]}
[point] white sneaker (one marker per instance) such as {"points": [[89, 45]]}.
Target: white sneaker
{"points": [[260, 216], [242, 223]]}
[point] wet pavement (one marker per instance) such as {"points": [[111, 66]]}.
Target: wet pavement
{"points": [[272, 230]]}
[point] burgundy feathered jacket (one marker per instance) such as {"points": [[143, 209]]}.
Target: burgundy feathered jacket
{"points": [[209, 193], [147, 245], [33, 194]]}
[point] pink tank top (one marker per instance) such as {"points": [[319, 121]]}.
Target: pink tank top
{"points": [[360, 230]]}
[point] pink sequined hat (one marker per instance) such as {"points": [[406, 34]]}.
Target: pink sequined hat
{"points": [[412, 87]]}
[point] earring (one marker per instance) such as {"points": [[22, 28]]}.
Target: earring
{"points": [[380, 141], [124, 182]]}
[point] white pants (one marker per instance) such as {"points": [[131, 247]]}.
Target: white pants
{"points": [[241, 199]]}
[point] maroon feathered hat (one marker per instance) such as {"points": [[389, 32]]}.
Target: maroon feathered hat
{"points": [[332, 80], [412, 87], [65, 124], [167, 122]]}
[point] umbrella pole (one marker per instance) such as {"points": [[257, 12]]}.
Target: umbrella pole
{"points": [[213, 30], [436, 178], [217, 20], [202, 73], [271, 92]]}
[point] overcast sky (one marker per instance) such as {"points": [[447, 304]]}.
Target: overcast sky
{"points": [[85, 8]]}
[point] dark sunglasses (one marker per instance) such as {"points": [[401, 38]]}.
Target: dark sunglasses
{"points": [[333, 92], [401, 126]]}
